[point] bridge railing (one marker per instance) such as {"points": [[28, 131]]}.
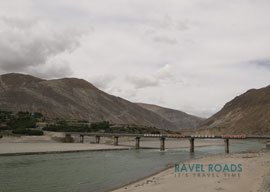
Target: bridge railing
{"points": [[204, 136], [241, 136]]}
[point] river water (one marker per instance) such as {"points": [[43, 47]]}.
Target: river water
{"points": [[94, 171]]}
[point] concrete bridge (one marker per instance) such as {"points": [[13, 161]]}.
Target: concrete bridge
{"points": [[161, 137]]}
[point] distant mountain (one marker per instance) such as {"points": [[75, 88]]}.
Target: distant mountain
{"points": [[248, 113], [72, 98], [180, 119]]}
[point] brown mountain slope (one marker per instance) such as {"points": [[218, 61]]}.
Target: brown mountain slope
{"points": [[248, 113], [72, 98], [180, 119]]}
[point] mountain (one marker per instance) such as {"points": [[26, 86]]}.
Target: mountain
{"points": [[72, 98], [248, 113], [180, 119]]}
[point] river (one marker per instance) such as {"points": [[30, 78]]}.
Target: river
{"points": [[95, 171]]}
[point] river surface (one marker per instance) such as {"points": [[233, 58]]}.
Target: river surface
{"points": [[95, 171]]}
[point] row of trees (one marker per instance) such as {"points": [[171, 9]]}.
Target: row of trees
{"points": [[64, 126], [104, 126], [25, 123]]}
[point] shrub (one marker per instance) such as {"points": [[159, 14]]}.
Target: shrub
{"points": [[37, 115], [104, 125], [3, 128], [155, 132], [22, 131], [63, 126]]}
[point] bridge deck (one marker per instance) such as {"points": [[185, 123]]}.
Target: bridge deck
{"points": [[170, 136]]}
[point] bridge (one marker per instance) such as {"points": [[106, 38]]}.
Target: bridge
{"points": [[161, 137]]}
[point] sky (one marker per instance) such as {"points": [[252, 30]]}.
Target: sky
{"points": [[190, 55]]}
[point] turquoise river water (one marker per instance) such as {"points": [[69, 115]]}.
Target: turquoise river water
{"points": [[94, 171]]}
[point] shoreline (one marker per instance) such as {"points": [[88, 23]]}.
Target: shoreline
{"points": [[60, 152], [125, 147], [142, 180], [168, 166], [138, 180]]}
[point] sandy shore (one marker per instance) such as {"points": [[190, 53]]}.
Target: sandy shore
{"points": [[44, 144], [254, 178], [31, 148]]}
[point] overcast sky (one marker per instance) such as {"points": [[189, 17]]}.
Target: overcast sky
{"points": [[191, 55]]}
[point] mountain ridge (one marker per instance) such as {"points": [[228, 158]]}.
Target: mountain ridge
{"points": [[179, 118], [248, 113], [72, 98]]}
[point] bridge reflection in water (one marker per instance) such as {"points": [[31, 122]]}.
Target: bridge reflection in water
{"points": [[161, 137]]}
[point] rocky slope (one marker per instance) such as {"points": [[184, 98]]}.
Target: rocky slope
{"points": [[72, 98], [248, 113], [180, 119]]}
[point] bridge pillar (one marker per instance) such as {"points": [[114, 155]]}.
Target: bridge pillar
{"points": [[268, 144], [137, 146], [226, 142], [162, 144], [97, 139], [68, 138], [115, 140], [191, 140], [81, 138]]}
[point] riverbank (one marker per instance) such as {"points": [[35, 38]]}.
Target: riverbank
{"points": [[7, 149], [254, 177], [28, 145]]}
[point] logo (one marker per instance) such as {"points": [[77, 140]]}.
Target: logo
{"points": [[208, 170]]}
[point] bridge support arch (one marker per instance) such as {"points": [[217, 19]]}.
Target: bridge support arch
{"points": [[162, 144], [226, 142], [81, 138], [191, 140], [115, 142], [97, 139], [68, 138], [137, 145], [268, 144]]}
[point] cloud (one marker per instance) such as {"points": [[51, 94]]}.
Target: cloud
{"points": [[26, 44], [189, 55], [54, 68], [171, 23], [264, 63], [167, 40], [102, 81], [164, 75], [143, 81]]}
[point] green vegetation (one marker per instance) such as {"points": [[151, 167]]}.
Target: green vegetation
{"points": [[23, 131], [64, 126], [133, 129], [25, 123], [104, 127], [20, 122]]}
